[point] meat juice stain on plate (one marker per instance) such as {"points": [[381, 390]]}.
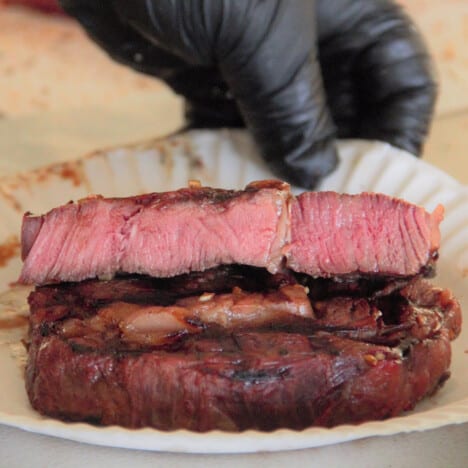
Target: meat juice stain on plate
{"points": [[72, 172], [17, 321], [9, 249]]}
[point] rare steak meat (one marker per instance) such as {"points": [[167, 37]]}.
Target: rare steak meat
{"points": [[160, 234], [334, 234], [234, 360], [205, 309], [322, 234]]}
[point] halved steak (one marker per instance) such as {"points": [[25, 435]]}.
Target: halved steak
{"points": [[167, 234], [336, 234], [218, 309], [347, 359]]}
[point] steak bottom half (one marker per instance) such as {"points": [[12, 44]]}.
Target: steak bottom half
{"points": [[237, 348]]}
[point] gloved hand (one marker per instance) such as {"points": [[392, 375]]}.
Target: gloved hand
{"points": [[297, 73]]}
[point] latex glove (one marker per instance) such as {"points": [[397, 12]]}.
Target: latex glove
{"points": [[297, 73]]}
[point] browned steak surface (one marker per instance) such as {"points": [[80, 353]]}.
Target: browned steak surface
{"points": [[132, 352]]}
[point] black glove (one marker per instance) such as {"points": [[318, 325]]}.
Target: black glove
{"points": [[260, 63]]}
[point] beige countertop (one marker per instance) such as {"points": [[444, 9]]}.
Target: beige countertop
{"points": [[60, 97]]}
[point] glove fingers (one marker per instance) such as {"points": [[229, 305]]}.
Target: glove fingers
{"points": [[270, 68], [378, 72], [120, 28], [182, 28], [278, 87], [120, 40], [399, 107], [265, 52]]}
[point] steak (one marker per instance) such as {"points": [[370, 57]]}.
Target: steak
{"points": [[186, 352], [211, 309], [322, 234], [334, 234]]}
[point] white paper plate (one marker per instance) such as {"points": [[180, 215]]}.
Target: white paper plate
{"points": [[229, 159]]}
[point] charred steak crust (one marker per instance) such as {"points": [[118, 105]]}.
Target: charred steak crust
{"points": [[246, 380], [322, 234], [354, 359]]}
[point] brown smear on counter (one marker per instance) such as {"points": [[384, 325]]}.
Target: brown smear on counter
{"points": [[14, 322], [9, 249]]}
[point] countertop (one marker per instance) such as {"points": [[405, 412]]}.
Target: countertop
{"points": [[53, 123]]}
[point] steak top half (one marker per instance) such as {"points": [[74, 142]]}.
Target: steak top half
{"points": [[321, 234]]}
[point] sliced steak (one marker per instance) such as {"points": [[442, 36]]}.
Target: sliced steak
{"points": [[160, 234], [349, 360], [168, 234], [334, 234]]}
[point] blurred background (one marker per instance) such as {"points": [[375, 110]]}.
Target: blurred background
{"points": [[60, 96]]}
